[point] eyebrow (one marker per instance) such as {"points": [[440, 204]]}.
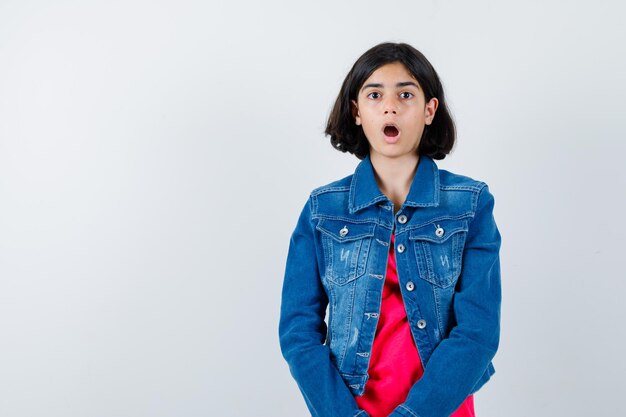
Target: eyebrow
{"points": [[400, 84]]}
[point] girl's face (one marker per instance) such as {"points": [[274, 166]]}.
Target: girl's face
{"points": [[392, 110]]}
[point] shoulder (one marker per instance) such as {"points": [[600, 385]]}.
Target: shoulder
{"points": [[340, 185], [454, 185], [332, 197], [452, 181]]}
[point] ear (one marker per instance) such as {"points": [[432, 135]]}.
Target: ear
{"points": [[430, 109], [355, 112]]}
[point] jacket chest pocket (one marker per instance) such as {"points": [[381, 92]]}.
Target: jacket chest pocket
{"points": [[346, 247], [438, 247]]}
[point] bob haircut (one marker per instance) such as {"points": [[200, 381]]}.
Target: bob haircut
{"points": [[438, 137]]}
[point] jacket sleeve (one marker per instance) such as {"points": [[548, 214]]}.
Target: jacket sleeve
{"points": [[302, 330], [459, 361]]}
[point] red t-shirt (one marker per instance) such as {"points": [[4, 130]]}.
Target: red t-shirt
{"points": [[395, 364]]}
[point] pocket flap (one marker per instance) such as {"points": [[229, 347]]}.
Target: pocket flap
{"points": [[345, 231], [438, 231]]}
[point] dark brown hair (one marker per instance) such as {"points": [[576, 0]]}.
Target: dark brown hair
{"points": [[438, 137]]}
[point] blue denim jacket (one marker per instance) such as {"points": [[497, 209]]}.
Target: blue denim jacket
{"points": [[447, 254]]}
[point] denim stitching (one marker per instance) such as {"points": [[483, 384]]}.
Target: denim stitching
{"points": [[476, 196], [439, 219], [460, 188], [408, 410], [373, 221], [364, 254], [331, 258], [369, 203], [436, 290], [348, 323], [328, 189], [419, 259], [351, 193], [313, 205], [331, 314], [428, 257]]}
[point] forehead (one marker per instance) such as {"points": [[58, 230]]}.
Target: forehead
{"points": [[391, 73]]}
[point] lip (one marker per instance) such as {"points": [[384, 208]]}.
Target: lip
{"points": [[391, 139]]}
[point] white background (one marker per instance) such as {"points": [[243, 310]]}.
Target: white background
{"points": [[154, 157]]}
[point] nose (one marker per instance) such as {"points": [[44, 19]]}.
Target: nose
{"points": [[390, 106]]}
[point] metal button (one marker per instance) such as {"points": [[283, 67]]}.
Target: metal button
{"points": [[421, 323], [400, 248], [343, 231], [402, 218], [410, 286], [439, 232]]}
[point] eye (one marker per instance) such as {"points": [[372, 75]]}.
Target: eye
{"points": [[406, 94], [374, 95]]}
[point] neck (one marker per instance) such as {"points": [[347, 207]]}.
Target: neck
{"points": [[394, 175]]}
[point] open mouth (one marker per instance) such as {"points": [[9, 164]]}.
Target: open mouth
{"points": [[391, 130]]}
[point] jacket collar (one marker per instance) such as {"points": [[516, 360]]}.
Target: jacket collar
{"points": [[424, 191]]}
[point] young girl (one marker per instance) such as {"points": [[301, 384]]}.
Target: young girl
{"points": [[404, 255]]}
